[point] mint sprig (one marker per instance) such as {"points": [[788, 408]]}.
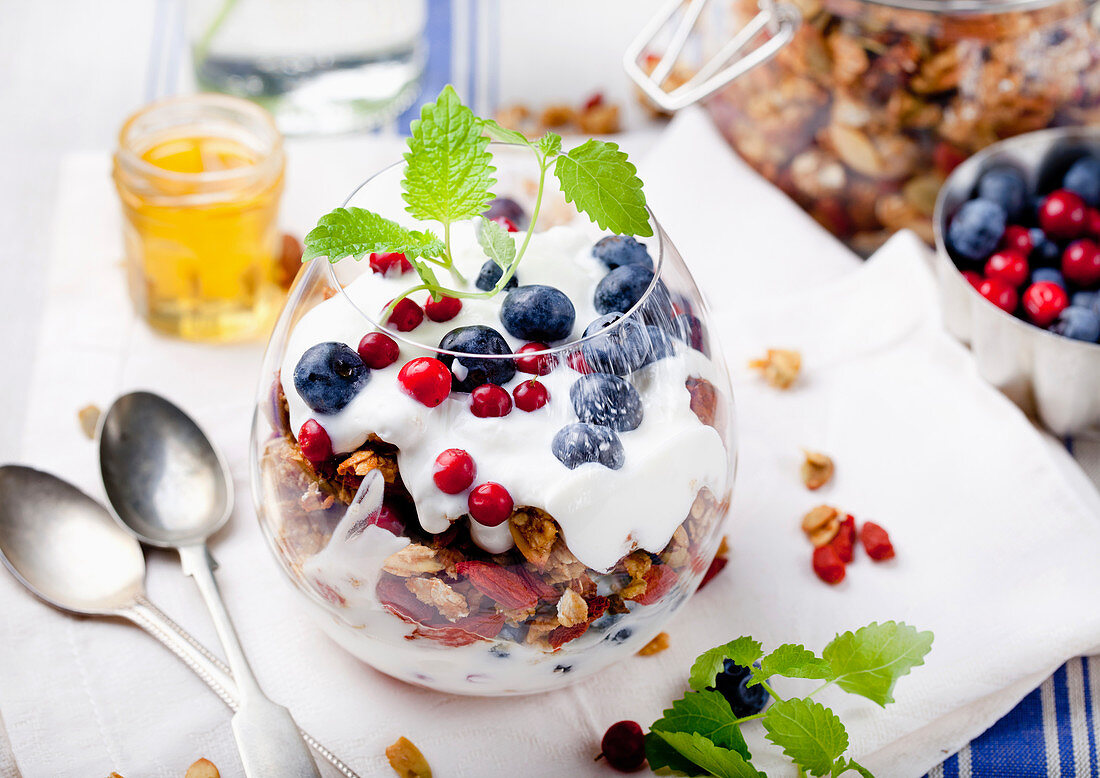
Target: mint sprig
{"points": [[699, 734]]}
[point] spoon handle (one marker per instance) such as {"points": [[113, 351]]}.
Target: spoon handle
{"points": [[208, 667], [267, 737]]}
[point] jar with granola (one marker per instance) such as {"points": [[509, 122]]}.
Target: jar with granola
{"points": [[859, 109], [487, 498]]}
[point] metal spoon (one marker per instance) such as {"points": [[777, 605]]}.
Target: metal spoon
{"points": [[70, 552], [171, 488]]}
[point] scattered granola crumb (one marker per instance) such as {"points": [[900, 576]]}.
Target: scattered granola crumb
{"points": [[89, 420], [821, 524], [655, 646], [407, 761], [780, 367], [817, 469], [572, 609], [203, 768], [595, 116]]}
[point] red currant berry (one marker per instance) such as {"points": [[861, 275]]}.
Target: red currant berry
{"points": [[384, 263], [1092, 222], [1081, 262], [1009, 266], [406, 315], [445, 309], [999, 293], [378, 350], [388, 519], [506, 223], [575, 360], [314, 442], [530, 395], [1018, 238], [1063, 214], [426, 380], [1043, 301], [490, 504], [540, 365], [490, 401], [975, 279], [454, 471], [623, 746]]}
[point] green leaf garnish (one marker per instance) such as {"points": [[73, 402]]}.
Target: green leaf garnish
{"points": [[711, 759], [870, 660], [844, 765], [808, 732], [601, 182], [499, 132], [743, 651], [549, 144], [497, 243], [791, 661], [707, 713], [353, 232]]}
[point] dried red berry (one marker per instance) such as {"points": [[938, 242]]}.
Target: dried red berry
{"points": [[378, 350], [845, 539], [827, 564], [443, 309], [623, 746], [717, 565], [876, 542], [562, 635], [659, 579], [498, 583], [314, 441], [385, 262]]}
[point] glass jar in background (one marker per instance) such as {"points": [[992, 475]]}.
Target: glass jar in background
{"points": [[326, 66], [200, 178]]}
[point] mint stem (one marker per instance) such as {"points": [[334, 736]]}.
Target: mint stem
{"points": [[771, 691], [511, 271]]}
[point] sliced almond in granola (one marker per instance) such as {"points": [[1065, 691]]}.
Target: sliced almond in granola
{"points": [[780, 367], [412, 560], [655, 646], [432, 591], [572, 609], [817, 469], [821, 524], [362, 462], [407, 761], [203, 768], [88, 416], [534, 533]]}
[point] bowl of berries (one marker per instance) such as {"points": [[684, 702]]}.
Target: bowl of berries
{"points": [[1018, 261], [493, 445]]}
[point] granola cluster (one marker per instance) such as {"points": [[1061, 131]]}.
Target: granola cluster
{"points": [[862, 116]]}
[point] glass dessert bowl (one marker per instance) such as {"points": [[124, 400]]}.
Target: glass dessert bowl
{"points": [[505, 495]]}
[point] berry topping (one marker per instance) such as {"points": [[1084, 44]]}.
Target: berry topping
{"points": [[541, 365], [538, 312], [1086, 300], [1009, 266], [406, 315], [378, 350], [530, 395], [489, 275], [426, 380], [1083, 179], [732, 683], [620, 350], [506, 223], [508, 208], [976, 229], [1043, 301], [1005, 186], [1092, 222], [577, 444], [659, 344], [1048, 274], [388, 519], [1019, 238], [575, 360], [328, 376], [490, 504], [454, 471], [623, 746], [469, 371], [607, 400], [383, 264], [618, 250], [622, 288], [974, 279], [1081, 262], [1079, 323], [1062, 214], [443, 309], [827, 564], [875, 541], [314, 442], [999, 293], [490, 401]]}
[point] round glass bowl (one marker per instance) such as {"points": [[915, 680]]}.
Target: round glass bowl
{"points": [[590, 560]]}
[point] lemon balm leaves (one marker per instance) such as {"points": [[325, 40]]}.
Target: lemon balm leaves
{"points": [[603, 184], [706, 757], [353, 232], [808, 733], [791, 661], [870, 660], [497, 243], [743, 651]]}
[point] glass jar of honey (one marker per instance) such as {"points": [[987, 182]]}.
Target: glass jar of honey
{"points": [[200, 178]]}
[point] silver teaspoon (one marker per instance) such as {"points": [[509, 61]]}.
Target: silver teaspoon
{"points": [[70, 552], [171, 488]]}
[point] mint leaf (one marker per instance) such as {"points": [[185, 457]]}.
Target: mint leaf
{"points": [[449, 171], [707, 713], [497, 243], [870, 660], [353, 232], [790, 661], [713, 759], [844, 765], [743, 651], [602, 183], [665, 760], [549, 144], [808, 732], [427, 275], [496, 131]]}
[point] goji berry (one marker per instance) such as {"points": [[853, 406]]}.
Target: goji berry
{"points": [[716, 566], [845, 539], [876, 542], [827, 565]]}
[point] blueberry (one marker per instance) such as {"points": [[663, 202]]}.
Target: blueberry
{"points": [[618, 250], [607, 400], [622, 349], [621, 635], [1087, 300], [489, 274], [1078, 323], [563, 668], [660, 344], [329, 375], [1005, 186], [509, 209], [539, 313], [1048, 274], [1044, 252], [623, 287], [471, 372], [1083, 177], [743, 700], [577, 444], [976, 229]]}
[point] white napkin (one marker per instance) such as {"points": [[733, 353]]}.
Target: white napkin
{"points": [[996, 552]]}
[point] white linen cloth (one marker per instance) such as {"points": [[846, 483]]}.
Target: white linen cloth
{"points": [[996, 549]]}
